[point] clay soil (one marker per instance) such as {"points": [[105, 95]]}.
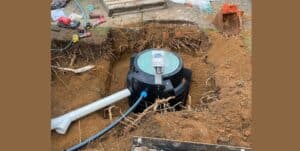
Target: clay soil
{"points": [[220, 90]]}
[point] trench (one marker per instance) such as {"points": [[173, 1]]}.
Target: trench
{"points": [[111, 59]]}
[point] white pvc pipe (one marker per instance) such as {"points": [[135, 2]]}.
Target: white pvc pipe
{"points": [[61, 123]]}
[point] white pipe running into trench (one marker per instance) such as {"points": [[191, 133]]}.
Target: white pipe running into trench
{"points": [[61, 123]]}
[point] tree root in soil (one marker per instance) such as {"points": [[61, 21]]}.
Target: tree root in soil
{"points": [[78, 70], [160, 105]]}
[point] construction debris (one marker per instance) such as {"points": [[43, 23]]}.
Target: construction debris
{"points": [[131, 6], [158, 144]]}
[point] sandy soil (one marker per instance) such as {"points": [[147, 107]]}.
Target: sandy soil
{"points": [[224, 67]]}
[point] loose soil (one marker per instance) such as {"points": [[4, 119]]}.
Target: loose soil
{"points": [[220, 90]]}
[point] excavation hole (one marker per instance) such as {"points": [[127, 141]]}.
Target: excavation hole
{"points": [[111, 58], [228, 24], [231, 23]]}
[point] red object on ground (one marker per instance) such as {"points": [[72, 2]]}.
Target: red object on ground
{"points": [[231, 8], [64, 20], [102, 19]]}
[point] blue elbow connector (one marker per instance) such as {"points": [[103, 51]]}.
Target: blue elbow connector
{"points": [[144, 94]]}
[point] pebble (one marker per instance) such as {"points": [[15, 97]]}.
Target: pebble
{"points": [[247, 133]]}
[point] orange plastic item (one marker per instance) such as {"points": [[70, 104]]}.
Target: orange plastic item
{"points": [[231, 8]]}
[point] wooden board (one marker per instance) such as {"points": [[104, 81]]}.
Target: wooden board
{"points": [[158, 144], [118, 7]]}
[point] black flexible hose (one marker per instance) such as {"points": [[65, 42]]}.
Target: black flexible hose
{"points": [[109, 127]]}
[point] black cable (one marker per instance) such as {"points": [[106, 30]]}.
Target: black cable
{"points": [[66, 47], [109, 127]]}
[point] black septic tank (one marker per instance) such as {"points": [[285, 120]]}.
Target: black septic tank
{"points": [[161, 73]]}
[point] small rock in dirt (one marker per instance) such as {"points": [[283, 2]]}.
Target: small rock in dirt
{"points": [[228, 129], [221, 130], [196, 117], [204, 59], [176, 122], [227, 66], [247, 133], [243, 103], [240, 83]]}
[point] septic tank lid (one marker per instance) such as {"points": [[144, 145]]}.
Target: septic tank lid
{"points": [[171, 61]]}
